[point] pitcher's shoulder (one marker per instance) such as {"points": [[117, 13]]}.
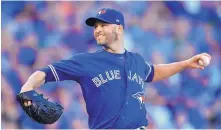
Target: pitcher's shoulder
{"points": [[134, 54]]}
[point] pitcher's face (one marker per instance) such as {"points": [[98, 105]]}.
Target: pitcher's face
{"points": [[104, 33]]}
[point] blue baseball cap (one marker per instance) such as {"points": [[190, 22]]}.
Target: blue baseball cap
{"points": [[107, 15]]}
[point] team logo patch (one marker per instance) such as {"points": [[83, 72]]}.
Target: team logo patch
{"points": [[140, 97], [102, 12]]}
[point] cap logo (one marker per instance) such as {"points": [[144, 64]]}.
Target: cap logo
{"points": [[102, 12], [117, 20]]}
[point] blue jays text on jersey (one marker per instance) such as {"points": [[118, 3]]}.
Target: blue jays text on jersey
{"points": [[112, 86], [114, 75]]}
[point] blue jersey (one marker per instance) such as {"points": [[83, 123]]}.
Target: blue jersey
{"points": [[112, 86]]}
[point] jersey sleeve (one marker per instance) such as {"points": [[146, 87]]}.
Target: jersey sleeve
{"points": [[148, 69], [70, 69], [149, 72]]}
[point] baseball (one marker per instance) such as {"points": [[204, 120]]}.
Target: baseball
{"points": [[204, 62]]}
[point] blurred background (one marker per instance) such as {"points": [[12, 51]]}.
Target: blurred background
{"points": [[35, 34]]}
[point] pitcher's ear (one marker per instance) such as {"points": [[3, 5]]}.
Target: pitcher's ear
{"points": [[120, 28]]}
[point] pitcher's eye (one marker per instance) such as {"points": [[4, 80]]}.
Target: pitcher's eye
{"points": [[104, 25]]}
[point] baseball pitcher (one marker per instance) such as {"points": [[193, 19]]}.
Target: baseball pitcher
{"points": [[112, 79]]}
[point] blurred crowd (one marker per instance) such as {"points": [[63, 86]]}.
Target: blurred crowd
{"points": [[35, 34]]}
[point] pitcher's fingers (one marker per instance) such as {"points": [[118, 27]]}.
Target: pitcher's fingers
{"points": [[25, 103], [199, 67], [29, 103]]}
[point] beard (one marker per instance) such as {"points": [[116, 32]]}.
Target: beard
{"points": [[101, 41], [106, 39]]}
